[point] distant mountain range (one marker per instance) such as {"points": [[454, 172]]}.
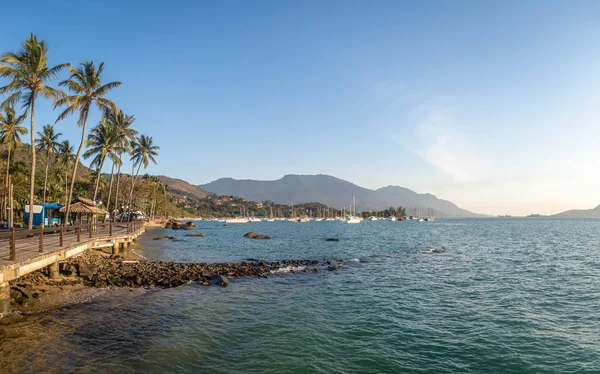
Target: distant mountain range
{"points": [[580, 213], [336, 193]]}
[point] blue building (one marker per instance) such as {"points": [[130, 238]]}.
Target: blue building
{"points": [[46, 213]]}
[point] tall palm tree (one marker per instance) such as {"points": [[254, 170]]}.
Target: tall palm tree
{"points": [[116, 161], [86, 88], [10, 135], [124, 136], [143, 151], [66, 158], [47, 142], [100, 142], [28, 73]]}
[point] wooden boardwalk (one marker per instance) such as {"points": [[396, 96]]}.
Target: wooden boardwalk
{"points": [[21, 245]]}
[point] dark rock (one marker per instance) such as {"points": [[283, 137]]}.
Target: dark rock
{"points": [[255, 235], [165, 238], [24, 292], [334, 267], [196, 234], [190, 223], [332, 239], [86, 271], [219, 280]]}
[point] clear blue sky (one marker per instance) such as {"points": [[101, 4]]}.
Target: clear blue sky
{"points": [[491, 104]]}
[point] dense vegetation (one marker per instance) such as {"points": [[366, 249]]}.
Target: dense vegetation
{"points": [[57, 176]]}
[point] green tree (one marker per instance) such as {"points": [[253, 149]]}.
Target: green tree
{"points": [[124, 136], [86, 89], [28, 74], [10, 133], [47, 141], [66, 158], [142, 152], [100, 142]]}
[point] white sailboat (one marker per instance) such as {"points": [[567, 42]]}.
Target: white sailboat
{"points": [[353, 218]]}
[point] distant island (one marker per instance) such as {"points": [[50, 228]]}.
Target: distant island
{"points": [[580, 213]]}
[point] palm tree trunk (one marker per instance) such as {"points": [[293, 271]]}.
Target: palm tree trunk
{"points": [[32, 184], [75, 167], [133, 182], [118, 180], [112, 173], [98, 177], [46, 174], [4, 212]]}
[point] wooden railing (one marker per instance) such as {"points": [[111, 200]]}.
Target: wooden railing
{"points": [[14, 242]]}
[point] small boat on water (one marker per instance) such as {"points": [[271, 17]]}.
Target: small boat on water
{"points": [[237, 220], [372, 218], [392, 218], [270, 220], [353, 218], [254, 219]]}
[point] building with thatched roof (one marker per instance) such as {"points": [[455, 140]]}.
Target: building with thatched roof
{"points": [[83, 206]]}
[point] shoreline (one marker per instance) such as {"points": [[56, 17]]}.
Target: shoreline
{"points": [[84, 277]]}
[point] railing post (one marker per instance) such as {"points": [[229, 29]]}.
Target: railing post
{"points": [[110, 229], [42, 239], [13, 253], [90, 228], [78, 229], [61, 240]]}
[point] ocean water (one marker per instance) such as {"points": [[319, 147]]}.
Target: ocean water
{"points": [[507, 296]]}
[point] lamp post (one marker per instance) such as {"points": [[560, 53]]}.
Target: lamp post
{"points": [[96, 203]]}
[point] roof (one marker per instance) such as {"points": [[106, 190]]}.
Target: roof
{"points": [[85, 201], [80, 207], [52, 206]]}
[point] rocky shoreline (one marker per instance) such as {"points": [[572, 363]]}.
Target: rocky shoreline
{"points": [[95, 269]]}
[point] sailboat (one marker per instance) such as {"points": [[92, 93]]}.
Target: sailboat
{"points": [[353, 218]]}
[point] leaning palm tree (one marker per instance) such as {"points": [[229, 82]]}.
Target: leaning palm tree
{"points": [[100, 142], [143, 151], [47, 142], [66, 158], [10, 135], [87, 89], [28, 73]]}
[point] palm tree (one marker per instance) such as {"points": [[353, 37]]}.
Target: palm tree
{"points": [[124, 136], [28, 74], [66, 157], [142, 152], [100, 142], [10, 135], [116, 161], [87, 89], [48, 142]]}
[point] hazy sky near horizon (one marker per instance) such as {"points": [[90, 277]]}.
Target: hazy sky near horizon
{"points": [[493, 105]]}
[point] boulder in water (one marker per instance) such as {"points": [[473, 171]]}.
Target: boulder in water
{"points": [[165, 238], [255, 235], [334, 267], [332, 239], [218, 279], [195, 234]]}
